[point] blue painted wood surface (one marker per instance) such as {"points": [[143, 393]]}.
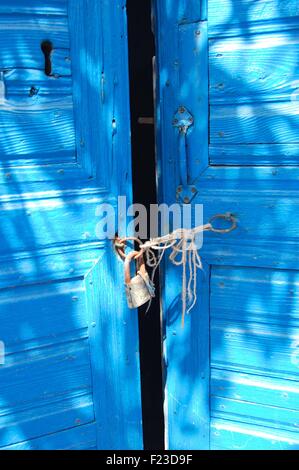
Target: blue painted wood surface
{"points": [[232, 373], [71, 373]]}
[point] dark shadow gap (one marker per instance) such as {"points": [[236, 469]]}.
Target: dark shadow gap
{"points": [[141, 53]]}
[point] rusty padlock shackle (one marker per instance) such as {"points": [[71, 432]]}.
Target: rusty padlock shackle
{"points": [[120, 245], [140, 265]]}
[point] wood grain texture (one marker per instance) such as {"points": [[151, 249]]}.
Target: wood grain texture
{"points": [[254, 77], [49, 322], [257, 306], [252, 173], [245, 347], [21, 38], [32, 86], [182, 81], [43, 414], [54, 265], [36, 112], [263, 321], [49, 222], [227, 435], [254, 351], [40, 7], [193, 53], [78, 438], [36, 130], [61, 137], [191, 12], [254, 154], [261, 68], [272, 391], [269, 123], [255, 413], [186, 408], [45, 343], [246, 11]]}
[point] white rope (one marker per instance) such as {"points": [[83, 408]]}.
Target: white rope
{"points": [[185, 253]]}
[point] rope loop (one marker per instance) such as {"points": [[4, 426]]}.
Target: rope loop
{"points": [[184, 252]]}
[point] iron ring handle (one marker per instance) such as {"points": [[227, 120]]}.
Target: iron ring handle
{"points": [[227, 217]]}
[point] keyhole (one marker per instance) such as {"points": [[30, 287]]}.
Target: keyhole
{"points": [[47, 48]]}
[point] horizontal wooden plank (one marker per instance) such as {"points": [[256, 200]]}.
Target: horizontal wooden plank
{"points": [[253, 347], [36, 130], [253, 253], [246, 11], [32, 87], [255, 123], [47, 179], [57, 396], [45, 420], [248, 32], [39, 7], [255, 388], [21, 38], [37, 174], [251, 412], [60, 222], [55, 371], [262, 218], [50, 306], [258, 68], [254, 154], [49, 266], [270, 179], [234, 436], [254, 317], [52, 419], [76, 438], [267, 296]]}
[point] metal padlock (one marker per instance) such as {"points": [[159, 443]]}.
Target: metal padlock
{"points": [[139, 289]]}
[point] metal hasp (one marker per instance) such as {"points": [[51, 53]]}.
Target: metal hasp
{"points": [[183, 120]]}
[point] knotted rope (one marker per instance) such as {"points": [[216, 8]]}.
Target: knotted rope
{"points": [[184, 252]]}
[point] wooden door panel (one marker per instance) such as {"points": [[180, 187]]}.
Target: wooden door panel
{"points": [[63, 330], [233, 369]]}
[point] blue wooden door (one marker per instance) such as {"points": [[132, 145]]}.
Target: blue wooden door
{"points": [[232, 372], [69, 377]]}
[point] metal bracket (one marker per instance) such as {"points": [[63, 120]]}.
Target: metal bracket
{"points": [[183, 120], [186, 194]]}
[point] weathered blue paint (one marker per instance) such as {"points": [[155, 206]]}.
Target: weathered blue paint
{"points": [[232, 373], [71, 372]]}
